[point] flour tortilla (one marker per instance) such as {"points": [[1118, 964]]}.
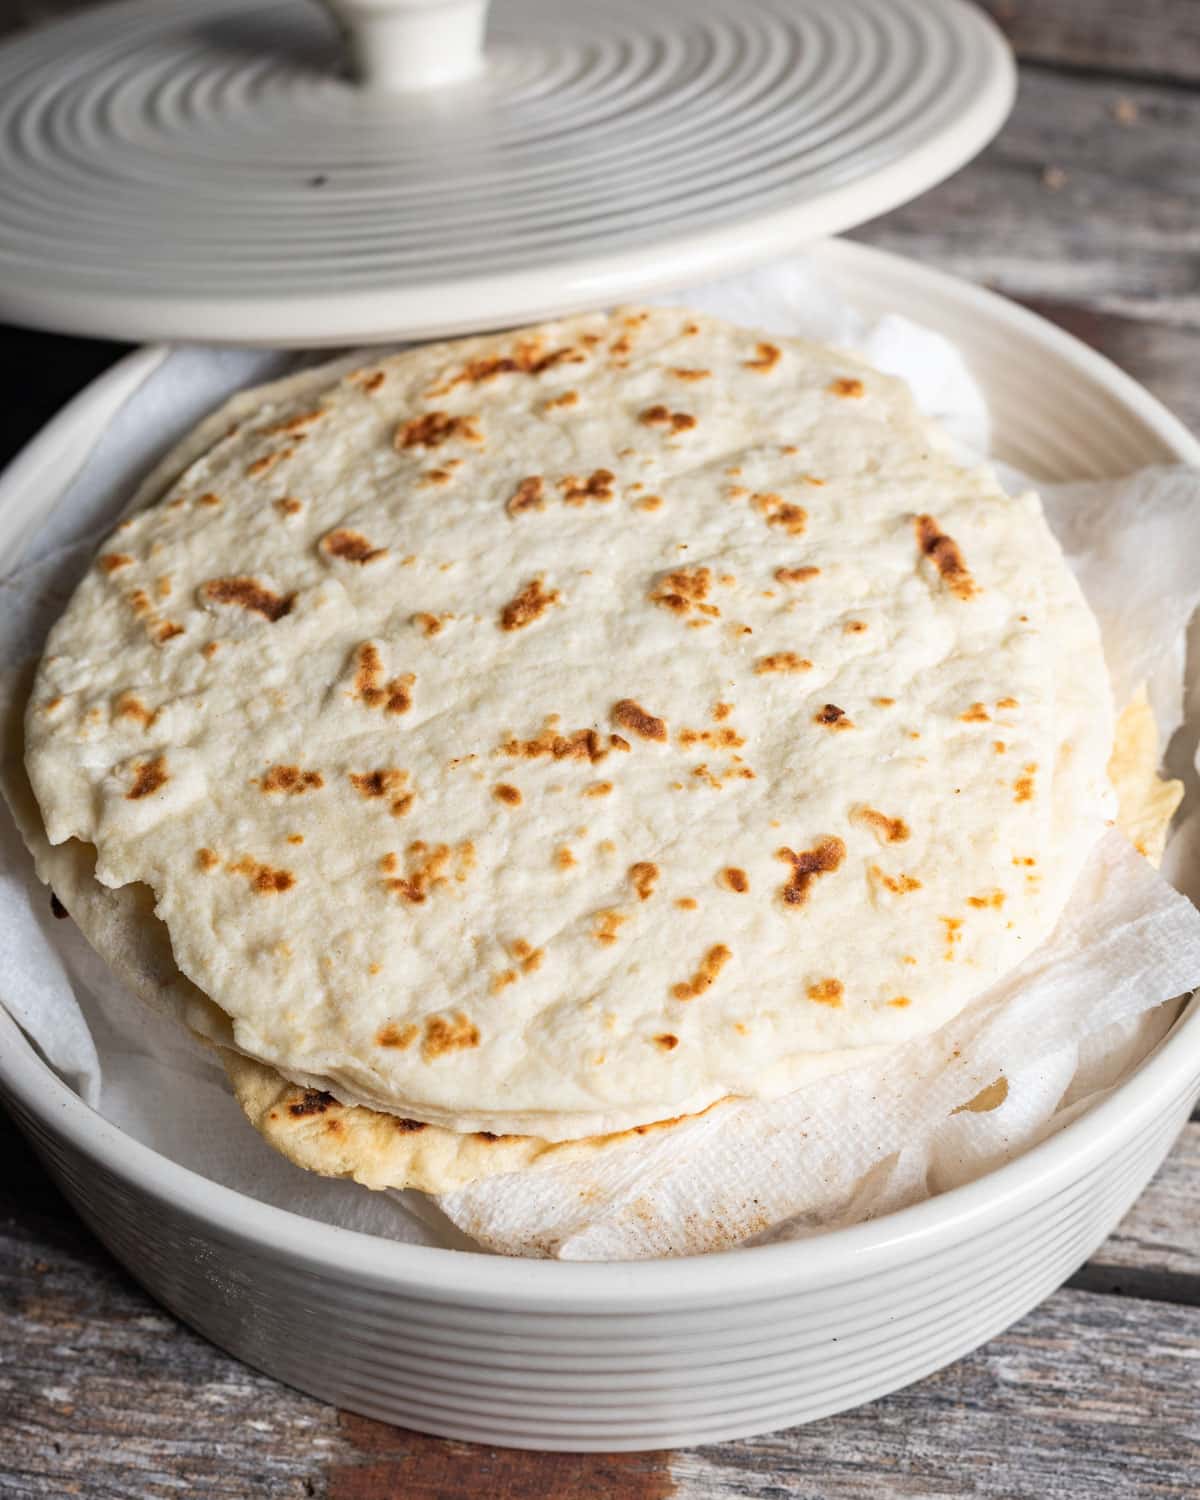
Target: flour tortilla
{"points": [[378, 1150], [330, 972]]}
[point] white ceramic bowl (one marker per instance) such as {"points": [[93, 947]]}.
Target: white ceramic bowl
{"points": [[651, 1354]]}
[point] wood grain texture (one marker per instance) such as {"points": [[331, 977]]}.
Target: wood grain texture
{"points": [[1160, 38], [1071, 205]]}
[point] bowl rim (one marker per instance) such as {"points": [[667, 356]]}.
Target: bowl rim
{"points": [[477, 1278]]}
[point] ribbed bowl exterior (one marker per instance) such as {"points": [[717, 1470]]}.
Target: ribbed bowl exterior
{"points": [[652, 1354], [625, 1378]]}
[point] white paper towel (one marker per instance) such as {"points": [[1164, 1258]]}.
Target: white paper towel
{"points": [[848, 1148]]}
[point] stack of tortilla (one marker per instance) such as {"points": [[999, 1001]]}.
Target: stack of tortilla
{"points": [[502, 746]]}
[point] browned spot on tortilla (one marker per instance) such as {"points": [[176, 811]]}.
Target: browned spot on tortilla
{"points": [[900, 1002], [111, 562], [265, 880], [399, 1037], [148, 777], [854, 627], [267, 462], [167, 631], [526, 358], [312, 1102], [350, 546], [999, 747], [291, 780], [991, 899], [886, 830], [503, 792], [944, 553], [833, 717], [444, 1035], [529, 957], [529, 605], [1007, 703], [564, 858], [394, 697], [250, 595], [429, 868], [580, 744], [210, 649], [163, 586], [705, 976], [207, 859], [289, 425], [430, 625], [796, 575], [139, 602], [726, 738], [953, 926], [435, 428], [777, 511], [287, 505], [847, 386], [782, 661], [502, 980], [557, 403], [683, 590], [899, 885], [659, 416], [976, 714], [767, 356], [366, 380], [597, 486], [295, 838], [650, 502], [682, 373], [734, 879], [388, 781], [644, 877], [667, 1041], [607, 924], [824, 857], [1023, 786], [598, 789], [130, 706], [827, 992], [527, 495], [632, 716], [437, 476]]}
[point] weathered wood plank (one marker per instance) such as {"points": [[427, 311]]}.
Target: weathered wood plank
{"points": [[1160, 38], [1072, 204]]}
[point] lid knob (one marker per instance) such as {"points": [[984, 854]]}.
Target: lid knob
{"points": [[402, 45]]}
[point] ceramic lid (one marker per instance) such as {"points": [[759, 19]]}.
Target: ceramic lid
{"points": [[268, 171]]}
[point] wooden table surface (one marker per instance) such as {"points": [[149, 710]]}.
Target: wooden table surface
{"points": [[1086, 208]]}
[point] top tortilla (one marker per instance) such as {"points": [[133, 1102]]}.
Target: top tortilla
{"points": [[554, 732]]}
